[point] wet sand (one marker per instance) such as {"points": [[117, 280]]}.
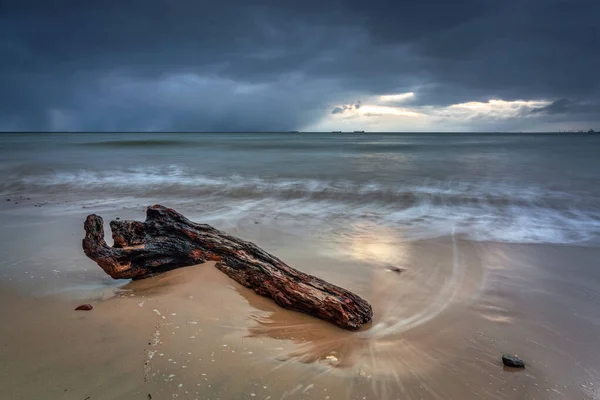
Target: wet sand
{"points": [[439, 330]]}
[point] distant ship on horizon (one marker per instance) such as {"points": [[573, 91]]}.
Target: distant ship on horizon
{"points": [[591, 131], [359, 131]]}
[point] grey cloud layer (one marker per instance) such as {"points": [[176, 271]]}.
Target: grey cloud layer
{"points": [[270, 65]]}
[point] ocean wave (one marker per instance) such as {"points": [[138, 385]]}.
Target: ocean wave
{"points": [[174, 179], [495, 211], [346, 144], [136, 143]]}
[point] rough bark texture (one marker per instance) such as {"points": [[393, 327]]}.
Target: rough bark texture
{"points": [[167, 240]]}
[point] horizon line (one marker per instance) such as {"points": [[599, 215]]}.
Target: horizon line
{"points": [[309, 132]]}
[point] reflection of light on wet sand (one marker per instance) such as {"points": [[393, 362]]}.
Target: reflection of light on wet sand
{"points": [[366, 242], [377, 247], [420, 293], [402, 343], [432, 303]]}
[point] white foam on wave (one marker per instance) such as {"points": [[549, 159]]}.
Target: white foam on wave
{"points": [[484, 211], [423, 221], [140, 178]]}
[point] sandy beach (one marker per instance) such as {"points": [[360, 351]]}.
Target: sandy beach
{"points": [[439, 329]]}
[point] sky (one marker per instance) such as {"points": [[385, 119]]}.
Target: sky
{"points": [[242, 65]]}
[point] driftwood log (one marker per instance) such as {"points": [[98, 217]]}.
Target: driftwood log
{"points": [[167, 240]]}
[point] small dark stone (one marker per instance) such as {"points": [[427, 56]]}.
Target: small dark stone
{"points": [[397, 270], [256, 222], [117, 218], [7, 199], [512, 361], [84, 307], [29, 198], [149, 396]]}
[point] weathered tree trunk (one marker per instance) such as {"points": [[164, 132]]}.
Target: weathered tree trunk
{"points": [[167, 240]]}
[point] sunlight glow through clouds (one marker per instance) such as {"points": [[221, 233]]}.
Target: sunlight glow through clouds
{"points": [[492, 109], [397, 98], [373, 110], [379, 112]]}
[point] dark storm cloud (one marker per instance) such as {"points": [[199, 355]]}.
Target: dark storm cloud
{"points": [[561, 106], [272, 65], [345, 107], [568, 107]]}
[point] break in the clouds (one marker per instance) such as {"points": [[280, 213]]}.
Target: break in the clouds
{"points": [[270, 65]]}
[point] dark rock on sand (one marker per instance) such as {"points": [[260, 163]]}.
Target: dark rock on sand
{"points": [[7, 199], [397, 270], [84, 307], [512, 361]]}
